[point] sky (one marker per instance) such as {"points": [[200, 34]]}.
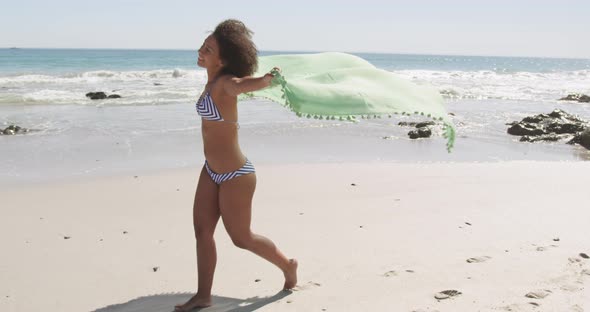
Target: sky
{"points": [[544, 28]]}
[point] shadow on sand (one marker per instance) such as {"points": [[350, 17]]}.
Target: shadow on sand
{"points": [[166, 303]]}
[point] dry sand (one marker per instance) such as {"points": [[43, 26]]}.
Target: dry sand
{"points": [[368, 237]]}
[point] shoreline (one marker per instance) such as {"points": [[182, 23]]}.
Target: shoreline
{"points": [[8, 185], [79, 142], [399, 232]]}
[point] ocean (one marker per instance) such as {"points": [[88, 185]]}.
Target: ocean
{"points": [[154, 125]]}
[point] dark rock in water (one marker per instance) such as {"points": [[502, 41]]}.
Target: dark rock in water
{"points": [[557, 122], [575, 139], [425, 124], [101, 95], [157, 84], [555, 126], [12, 129], [96, 95], [535, 119], [558, 113], [420, 133], [585, 139], [21, 130], [524, 128], [582, 138], [576, 97], [416, 124], [571, 97], [544, 137], [560, 128]]}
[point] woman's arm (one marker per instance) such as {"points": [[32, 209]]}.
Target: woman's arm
{"points": [[235, 86]]}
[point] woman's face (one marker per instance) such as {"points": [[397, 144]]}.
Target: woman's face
{"points": [[209, 54]]}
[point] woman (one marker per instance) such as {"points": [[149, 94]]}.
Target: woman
{"points": [[227, 180]]}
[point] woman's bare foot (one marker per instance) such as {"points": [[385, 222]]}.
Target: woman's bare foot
{"points": [[291, 275], [196, 301]]}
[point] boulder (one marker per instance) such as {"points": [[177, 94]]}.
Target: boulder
{"points": [[114, 96], [544, 137], [554, 126], [425, 124], [420, 133], [96, 95], [535, 119], [525, 128], [582, 138], [558, 113], [582, 98], [585, 138], [416, 124], [561, 128], [12, 129], [556, 122]]}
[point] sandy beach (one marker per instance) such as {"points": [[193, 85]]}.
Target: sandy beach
{"points": [[369, 236], [425, 157]]}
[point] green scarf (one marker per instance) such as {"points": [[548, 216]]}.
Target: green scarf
{"points": [[343, 86]]}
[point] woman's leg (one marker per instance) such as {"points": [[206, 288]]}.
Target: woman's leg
{"points": [[235, 204], [205, 217]]}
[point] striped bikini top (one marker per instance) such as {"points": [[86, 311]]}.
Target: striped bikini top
{"points": [[207, 109]]}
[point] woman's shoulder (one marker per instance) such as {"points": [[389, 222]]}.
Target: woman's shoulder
{"points": [[222, 80], [219, 87]]}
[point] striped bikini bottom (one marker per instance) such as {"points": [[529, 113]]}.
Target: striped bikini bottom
{"points": [[219, 178]]}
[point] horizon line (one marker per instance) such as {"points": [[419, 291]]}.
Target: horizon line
{"points": [[303, 51]]}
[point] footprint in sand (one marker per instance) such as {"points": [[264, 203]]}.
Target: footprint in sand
{"points": [[446, 294], [575, 261], [576, 308], [573, 280], [543, 248], [538, 294], [515, 307], [479, 259], [569, 285], [308, 285], [395, 273], [534, 304]]}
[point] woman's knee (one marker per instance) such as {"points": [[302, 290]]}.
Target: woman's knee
{"points": [[242, 241], [204, 233]]}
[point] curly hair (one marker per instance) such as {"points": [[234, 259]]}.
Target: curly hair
{"points": [[236, 48]]}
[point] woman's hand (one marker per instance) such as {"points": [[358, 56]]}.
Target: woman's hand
{"points": [[270, 75]]}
